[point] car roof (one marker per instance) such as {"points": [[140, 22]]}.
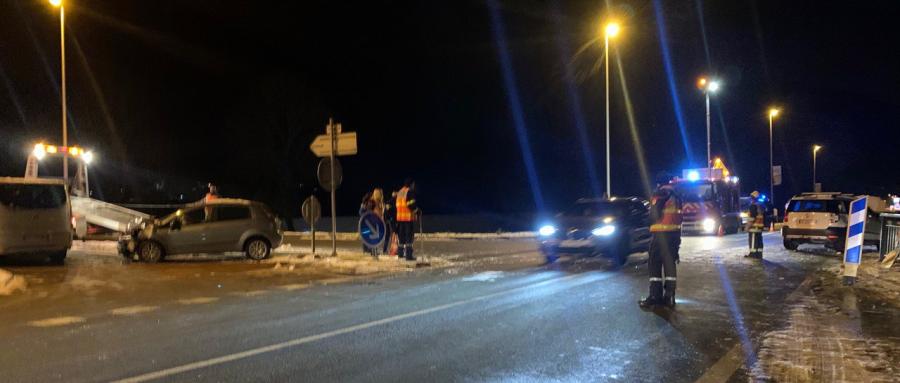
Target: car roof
{"points": [[31, 181], [824, 196]]}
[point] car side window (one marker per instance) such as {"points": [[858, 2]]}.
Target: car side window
{"points": [[231, 213], [193, 217]]}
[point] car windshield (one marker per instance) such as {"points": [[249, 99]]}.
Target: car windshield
{"points": [[818, 206], [593, 209], [32, 196], [695, 191]]}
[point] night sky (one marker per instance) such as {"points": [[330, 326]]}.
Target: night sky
{"points": [[174, 94]]}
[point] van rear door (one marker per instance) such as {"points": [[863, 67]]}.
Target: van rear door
{"points": [[34, 217]]}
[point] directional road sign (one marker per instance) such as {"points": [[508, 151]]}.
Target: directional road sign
{"points": [[371, 230], [346, 145]]}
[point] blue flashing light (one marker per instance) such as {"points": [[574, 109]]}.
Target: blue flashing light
{"points": [[693, 175]]}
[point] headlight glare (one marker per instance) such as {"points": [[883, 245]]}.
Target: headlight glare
{"points": [[547, 230], [709, 225], [603, 231]]}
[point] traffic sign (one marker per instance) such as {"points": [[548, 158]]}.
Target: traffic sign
{"points": [[311, 210], [371, 230], [324, 173], [346, 145], [856, 229], [776, 175]]}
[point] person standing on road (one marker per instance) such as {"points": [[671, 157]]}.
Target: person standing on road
{"points": [[210, 196], [756, 226], [665, 210], [405, 204]]}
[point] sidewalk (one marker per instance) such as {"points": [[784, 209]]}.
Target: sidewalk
{"points": [[837, 333]]}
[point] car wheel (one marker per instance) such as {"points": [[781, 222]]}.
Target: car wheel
{"points": [[791, 245], [257, 249], [150, 251], [58, 257]]}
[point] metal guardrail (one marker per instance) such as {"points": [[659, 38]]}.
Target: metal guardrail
{"points": [[890, 234]]}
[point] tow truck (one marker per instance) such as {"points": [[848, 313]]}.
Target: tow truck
{"points": [[711, 200]]}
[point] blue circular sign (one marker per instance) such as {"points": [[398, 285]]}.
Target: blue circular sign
{"points": [[371, 229]]}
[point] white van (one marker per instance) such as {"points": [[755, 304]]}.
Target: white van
{"points": [[35, 217]]}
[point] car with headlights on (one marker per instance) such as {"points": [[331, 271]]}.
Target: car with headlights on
{"points": [[614, 227], [216, 226]]}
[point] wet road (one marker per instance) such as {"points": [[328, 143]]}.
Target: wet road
{"points": [[492, 312]]}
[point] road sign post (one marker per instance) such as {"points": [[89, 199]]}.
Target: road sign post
{"points": [[856, 229], [333, 143], [311, 212]]}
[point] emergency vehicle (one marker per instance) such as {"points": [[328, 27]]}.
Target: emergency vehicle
{"points": [[710, 200]]}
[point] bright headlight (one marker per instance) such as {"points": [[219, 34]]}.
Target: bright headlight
{"points": [[709, 225], [547, 230], [604, 230], [744, 214]]}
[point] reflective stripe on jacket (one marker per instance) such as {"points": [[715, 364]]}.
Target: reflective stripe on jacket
{"points": [[670, 219]]}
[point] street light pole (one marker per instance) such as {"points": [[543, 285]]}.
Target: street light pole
{"points": [[815, 150], [773, 112], [708, 141], [611, 30], [62, 52]]}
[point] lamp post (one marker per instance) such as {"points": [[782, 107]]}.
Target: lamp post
{"points": [[773, 112], [708, 86], [62, 52], [611, 30], [816, 149]]}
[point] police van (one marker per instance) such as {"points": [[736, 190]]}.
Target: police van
{"points": [[821, 218], [35, 217]]}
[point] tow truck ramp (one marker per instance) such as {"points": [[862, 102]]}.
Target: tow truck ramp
{"points": [[106, 215]]}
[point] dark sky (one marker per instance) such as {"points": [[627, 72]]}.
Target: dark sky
{"points": [[179, 93]]}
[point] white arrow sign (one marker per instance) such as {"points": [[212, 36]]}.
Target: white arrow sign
{"points": [[346, 145]]}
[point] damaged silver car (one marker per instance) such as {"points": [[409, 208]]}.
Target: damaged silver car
{"points": [[217, 226]]}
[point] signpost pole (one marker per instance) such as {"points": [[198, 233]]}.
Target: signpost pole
{"points": [[313, 229], [332, 128]]}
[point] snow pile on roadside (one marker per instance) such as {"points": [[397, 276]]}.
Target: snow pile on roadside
{"points": [[100, 247], [10, 283], [884, 283], [346, 263], [823, 343]]}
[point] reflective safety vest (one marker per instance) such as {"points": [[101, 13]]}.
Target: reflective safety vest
{"points": [[404, 214], [670, 219], [210, 197], [759, 222]]}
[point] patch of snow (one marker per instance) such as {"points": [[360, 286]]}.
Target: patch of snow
{"points": [[11, 283]]}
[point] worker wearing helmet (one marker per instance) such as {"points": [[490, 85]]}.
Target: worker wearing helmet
{"points": [[665, 210], [756, 226]]}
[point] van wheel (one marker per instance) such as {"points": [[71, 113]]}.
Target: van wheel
{"points": [[791, 245], [150, 252], [257, 249], [58, 258]]}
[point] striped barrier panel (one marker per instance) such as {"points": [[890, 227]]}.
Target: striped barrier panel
{"points": [[856, 229]]}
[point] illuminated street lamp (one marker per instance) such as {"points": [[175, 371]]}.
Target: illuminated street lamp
{"points": [[708, 86], [62, 50], [773, 112], [609, 31], [816, 149]]}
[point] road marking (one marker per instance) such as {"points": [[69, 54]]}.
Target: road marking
{"points": [[726, 366], [58, 321], [132, 310], [346, 330], [251, 293], [294, 286], [197, 300]]}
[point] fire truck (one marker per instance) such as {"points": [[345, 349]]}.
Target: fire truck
{"points": [[711, 200]]}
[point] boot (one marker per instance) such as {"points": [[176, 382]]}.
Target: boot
{"points": [[655, 297], [409, 254], [669, 297], [650, 301]]}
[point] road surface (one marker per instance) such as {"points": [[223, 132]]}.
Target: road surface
{"points": [[491, 310]]}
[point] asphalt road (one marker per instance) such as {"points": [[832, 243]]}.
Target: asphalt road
{"points": [[492, 312]]}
